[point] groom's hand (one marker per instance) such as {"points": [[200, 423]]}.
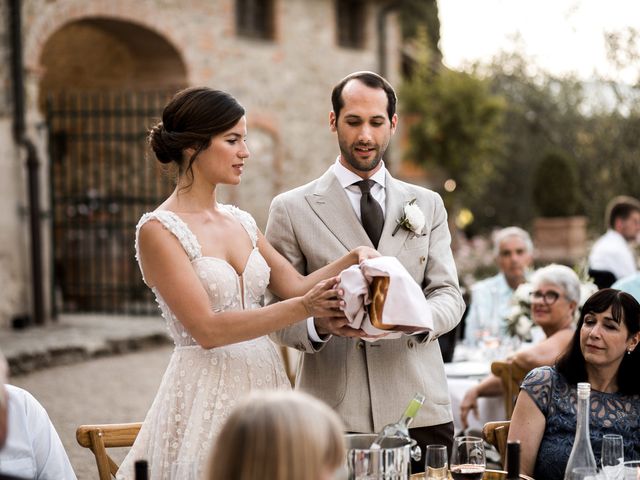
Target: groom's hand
{"points": [[336, 325]]}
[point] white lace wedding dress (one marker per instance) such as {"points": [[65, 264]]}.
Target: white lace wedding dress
{"points": [[200, 387]]}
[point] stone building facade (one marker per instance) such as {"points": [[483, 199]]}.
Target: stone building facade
{"points": [[280, 58]]}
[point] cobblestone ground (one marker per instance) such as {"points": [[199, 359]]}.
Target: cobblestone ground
{"points": [[104, 390]]}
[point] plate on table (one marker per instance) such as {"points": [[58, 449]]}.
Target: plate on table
{"points": [[467, 369]]}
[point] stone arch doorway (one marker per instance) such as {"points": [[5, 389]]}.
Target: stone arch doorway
{"points": [[103, 53], [104, 82]]}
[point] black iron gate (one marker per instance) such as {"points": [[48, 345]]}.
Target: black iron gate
{"points": [[102, 179]]}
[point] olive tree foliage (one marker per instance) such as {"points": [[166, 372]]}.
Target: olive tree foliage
{"points": [[489, 127], [453, 123], [421, 14], [596, 123]]}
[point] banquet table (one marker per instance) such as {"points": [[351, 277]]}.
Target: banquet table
{"points": [[488, 475], [463, 375]]}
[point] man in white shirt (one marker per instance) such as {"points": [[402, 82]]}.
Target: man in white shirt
{"points": [[612, 252], [32, 449], [491, 297], [357, 202]]}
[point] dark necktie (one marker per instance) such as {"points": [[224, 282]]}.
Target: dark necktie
{"points": [[371, 212]]}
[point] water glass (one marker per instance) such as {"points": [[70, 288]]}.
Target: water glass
{"points": [[631, 470], [612, 456], [436, 465], [584, 473], [467, 458], [184, 471]]}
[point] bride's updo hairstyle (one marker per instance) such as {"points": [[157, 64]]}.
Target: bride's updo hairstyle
{"points": [[190, 120]]}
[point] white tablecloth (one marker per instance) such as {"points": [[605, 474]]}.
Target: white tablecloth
{"points": [[461, 376]]}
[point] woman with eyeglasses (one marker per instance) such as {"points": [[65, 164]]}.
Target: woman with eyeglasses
{"points": [[554, 300], [603, 352]]}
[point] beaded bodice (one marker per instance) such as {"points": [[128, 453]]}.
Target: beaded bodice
{"points": [[227, 290]]}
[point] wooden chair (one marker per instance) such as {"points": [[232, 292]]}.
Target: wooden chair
{"points": [[511, 376], [496, 434], [100, 437]]}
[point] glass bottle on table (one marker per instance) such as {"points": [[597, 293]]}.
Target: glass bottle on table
{"points": [[141, 468], [581, 458], [513, 460], [401, 427]]}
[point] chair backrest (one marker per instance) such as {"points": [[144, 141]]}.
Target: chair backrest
{"points": [[602, 278], [511, 376], [496, 434], [100, 437]]}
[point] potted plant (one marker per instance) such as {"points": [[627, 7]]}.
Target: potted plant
{"points": [[560, 234]]}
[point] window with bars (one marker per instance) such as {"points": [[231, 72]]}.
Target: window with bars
{"points": [[351, 19], [255, 19]]}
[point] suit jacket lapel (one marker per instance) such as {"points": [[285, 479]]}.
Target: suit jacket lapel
{"points": [[331, 205], [397, 197]]}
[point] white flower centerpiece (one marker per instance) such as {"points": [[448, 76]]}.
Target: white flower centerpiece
{"points": [[519, 322], [412, 219]]}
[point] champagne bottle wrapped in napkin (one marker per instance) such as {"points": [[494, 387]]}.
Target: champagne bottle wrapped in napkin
{"points": [[380, 295]]}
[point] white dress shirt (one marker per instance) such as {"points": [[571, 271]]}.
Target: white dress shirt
{"points": [[33, 449], [347, 178], [612, 252]]}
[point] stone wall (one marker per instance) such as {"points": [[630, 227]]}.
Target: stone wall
{"points": [[284, 84]]}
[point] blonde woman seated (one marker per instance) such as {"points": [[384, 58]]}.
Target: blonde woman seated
{"points": [[279, 435], [554, 299]]}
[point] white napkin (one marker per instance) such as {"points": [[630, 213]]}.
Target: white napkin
{"points": [[405, 303]]}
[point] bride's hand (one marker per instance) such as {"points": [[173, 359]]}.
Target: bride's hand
{"points": [[365, 253], [323, 300]]}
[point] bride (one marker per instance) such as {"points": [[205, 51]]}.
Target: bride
{"points": [[208, 266]]}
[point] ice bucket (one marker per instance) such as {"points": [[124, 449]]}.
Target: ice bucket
{"points": [[390, 463]]}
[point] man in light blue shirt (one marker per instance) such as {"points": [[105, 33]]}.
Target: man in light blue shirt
{"points": [[491, 298], [629, 284]]}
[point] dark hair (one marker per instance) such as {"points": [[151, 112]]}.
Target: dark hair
{"points": [[190, 120], [621, 207], [624, 308], [370, 79]]}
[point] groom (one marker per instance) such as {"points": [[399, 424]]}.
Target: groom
{"points": [[357, 202]]}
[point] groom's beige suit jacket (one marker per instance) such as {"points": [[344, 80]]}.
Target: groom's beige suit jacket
{"points": [[370, 383]]}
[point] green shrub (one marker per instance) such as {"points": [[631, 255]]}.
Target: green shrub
{"points": [[555, 186]]}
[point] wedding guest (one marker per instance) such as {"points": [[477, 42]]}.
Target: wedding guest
{"points": [[279, 436], [612, 252], [554, 299], [630, 284], [491, 297], [209, 267], [357, 201], [30, 447], [602, 352]]}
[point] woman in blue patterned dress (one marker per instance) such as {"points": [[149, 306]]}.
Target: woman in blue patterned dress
{"points": [[602, 352]]}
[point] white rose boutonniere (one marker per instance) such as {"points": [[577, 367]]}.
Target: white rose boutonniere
{"points": [[412, 219]]}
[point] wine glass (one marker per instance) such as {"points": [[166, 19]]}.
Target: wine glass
{"points": [[612, 456], [467, 458], [436, 465], [631, 470], [584, 473]]}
